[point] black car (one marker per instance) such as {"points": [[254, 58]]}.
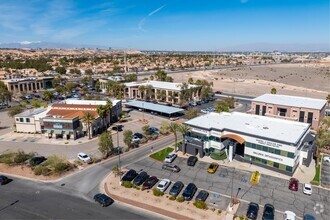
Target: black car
{"points": [[103, 199], [192, 161], [189, 191], [4, 180], [139, 179], [129, 176], [309, 217], [34, 161], [202, 196], [176, 188], [117, 128], [252, 212], [269, 212], [139, 135]]}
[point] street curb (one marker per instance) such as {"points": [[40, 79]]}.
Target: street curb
{"points": [[145, 206]]}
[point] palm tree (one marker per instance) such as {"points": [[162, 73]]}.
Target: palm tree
{"points": [[102, 111], [328, 99], [148, 91], [273, 91], [88, 119], [142, 90], [183, 129], [221, 107], [326, 123], [48, 96], [173, 127], [108, 107]]}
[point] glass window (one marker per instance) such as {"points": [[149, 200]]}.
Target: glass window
{"points": [[288, 168], [247, 144], [291, 155], [27, 120], [254, 146], [247, 157], [276, 165], [259, 147], [278, 152], [21, 119], [271, 150], [282, 167], [270, 163], [264, 148], [258, 159], [284, 153], [263, 161]]}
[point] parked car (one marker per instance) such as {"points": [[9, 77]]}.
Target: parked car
{"points": [[269, 212], [139, 135], [171, 167], [309, 217], [189, 191], [129, 176], [218, 92], [154, 130], [117, 128], [135, 139], [170, 157], [4, 180], [164, 184], [202, 196], [288, 215], [326, 159], [252, 212], [140, 178], [307, 189], [212, 167], [176, 188], [84, 157], [103, 199], [192, 161], [293, 184], [150, 182], [34, 161]]}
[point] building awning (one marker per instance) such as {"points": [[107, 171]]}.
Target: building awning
{"points": [[236, 137], [58, 132]]}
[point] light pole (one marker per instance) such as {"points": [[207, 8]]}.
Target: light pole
{"points": [[119, 162]]}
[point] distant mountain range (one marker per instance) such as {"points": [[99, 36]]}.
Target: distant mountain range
{"points": [[48, 45]]}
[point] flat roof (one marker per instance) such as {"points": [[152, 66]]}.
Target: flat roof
{"points": [[154, 107], [89, 102], [269, 128], [26, 79], [295, 101], [159, 85], [31, 112]]}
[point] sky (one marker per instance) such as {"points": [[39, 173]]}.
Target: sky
{"points": [[213, 25]]}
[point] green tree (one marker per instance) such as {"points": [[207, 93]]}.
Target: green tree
{"points": [[173, 127], [184, 130], [5, 95], [89, 72], [84, 80], [273, 91], [105, 144], [128, 137], [88, 119], [146, 130], [70, 86], [151, 77], [191, 113], [190, 81], [48, 96], [102, 111], [221, 107], [15, 110], [164, 128], [59, 89], [160, 75], [61, 70], [23, 104], [322, 140], [328, 99]]}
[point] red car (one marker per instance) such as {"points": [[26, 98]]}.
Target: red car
{"points": [[150, 182], [293, 185]]}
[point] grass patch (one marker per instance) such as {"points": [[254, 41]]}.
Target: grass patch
{"points": [[161, 155], [221, 156], [316, 179]]}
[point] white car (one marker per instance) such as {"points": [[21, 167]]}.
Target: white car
{"points": [[84, 157], [307, 189], [170, 157], [288, 215], [163, 185], [326, 159]]}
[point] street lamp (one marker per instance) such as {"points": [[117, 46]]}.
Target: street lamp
{"points": [[237, 192], [119, 162]]}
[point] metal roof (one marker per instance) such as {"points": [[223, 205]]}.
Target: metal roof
{"points": [[31, 112], [154, 107], [159, 85]]}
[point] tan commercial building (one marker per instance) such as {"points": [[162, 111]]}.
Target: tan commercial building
{"points": [[294, 108], [30, 84], [30, 120], [168, 92]]}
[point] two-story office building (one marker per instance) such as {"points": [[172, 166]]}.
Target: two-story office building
{"points": [[294, 108], [277, 144], [29, 84]]}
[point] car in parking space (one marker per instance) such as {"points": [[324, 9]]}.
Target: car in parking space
{"points": [[129, 176], [309, 217], [218, 92], [34, 161], [307, 189], [288, 215], [293, 184], [171, 167], [164, 184], [139, 135], [150, 182], [103, 199], [192, 161], [252, 211], [154, 130], [83, 157], [140, 178], [212, 167], [189, 191], [170, 157], [326, 159], [117, 128], [4, 180], [176, 188], [269, 212], [202, 196], [136, 137]]}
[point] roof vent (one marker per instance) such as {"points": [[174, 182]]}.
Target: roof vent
{"points": [[265, 127]]}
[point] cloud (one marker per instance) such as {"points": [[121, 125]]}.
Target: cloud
{"points": [[143, 20]]}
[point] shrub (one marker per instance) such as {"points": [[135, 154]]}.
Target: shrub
{"points": [[172, 198], [127, 184], [41, 170], [200, 204], [180, 199], [157, 192], [61, 167], [21, 157], [7, 157]]}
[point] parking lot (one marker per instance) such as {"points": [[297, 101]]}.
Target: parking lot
{"points": [[226, 182]]}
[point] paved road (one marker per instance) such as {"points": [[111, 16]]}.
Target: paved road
{"points": [[226, 182]]}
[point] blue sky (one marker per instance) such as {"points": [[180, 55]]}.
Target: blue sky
{"points": [[170, 24]]}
